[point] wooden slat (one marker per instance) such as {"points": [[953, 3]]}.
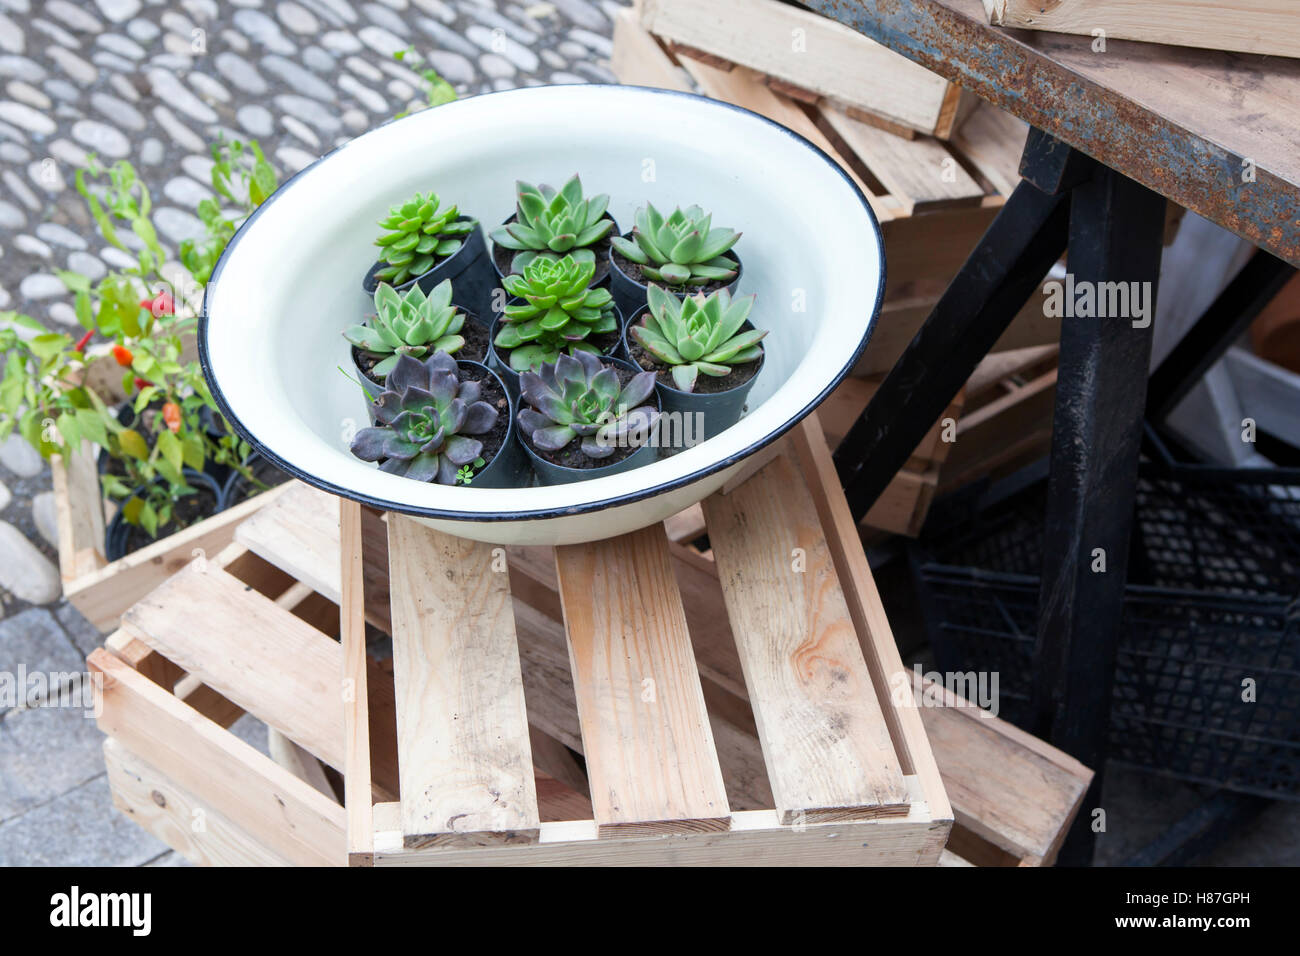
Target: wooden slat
{"points": [[921, 173], [868, 612], [756, 838], [1244, 26], [79, 511], [1006, 786], [153, 801], [993, 140], [285, 814], [637, 59], [463, 752], [299, 534], [104, 595], [359, 830], [645, 730], [809, 50], [283, 670], [828, 751]]}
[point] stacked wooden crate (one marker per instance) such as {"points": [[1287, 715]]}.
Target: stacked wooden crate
{"points": [[699, 748], [934, 163]]}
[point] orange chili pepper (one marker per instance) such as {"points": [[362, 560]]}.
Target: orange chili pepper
{"points": [[123, 355], [171, 413]]}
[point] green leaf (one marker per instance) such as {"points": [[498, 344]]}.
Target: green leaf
{"points": [[169, 446], [92, 426], [133, 444]]}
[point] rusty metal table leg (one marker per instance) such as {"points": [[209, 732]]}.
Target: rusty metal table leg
{"points": [[1115, 245]]}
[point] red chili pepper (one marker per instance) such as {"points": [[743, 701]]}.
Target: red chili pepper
{"points": [[142, 382], [81, 342], [123, 355], [172, 416], [160, 305]]}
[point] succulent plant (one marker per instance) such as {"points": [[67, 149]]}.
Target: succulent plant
{"points": [[426, 420], [679, 250], [417, 234], [412, 324], [697, 334], [548, 223], [580, 397], [559, 311]]}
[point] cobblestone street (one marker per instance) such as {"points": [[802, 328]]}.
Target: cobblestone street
{"points": [[154, 83]]}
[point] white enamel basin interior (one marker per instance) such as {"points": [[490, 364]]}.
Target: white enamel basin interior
{"points": [[291, 281]]}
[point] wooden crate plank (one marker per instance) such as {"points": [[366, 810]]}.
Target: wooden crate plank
{"points": [[828, 750], [79, 512], [1243, 26], [921, 173], [153, 801], [809, 50], [104, 595], [276, 808], [355, 684], [463, 753], [1006, 786], [646, 734], [756, 839], [638, 60], [868, 613], [249, 650], [993, 140]]}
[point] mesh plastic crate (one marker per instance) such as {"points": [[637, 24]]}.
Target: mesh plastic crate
{"points": [[1212, 611]]}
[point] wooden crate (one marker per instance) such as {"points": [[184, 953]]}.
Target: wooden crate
{"points": [[101, 589], [811, 57], [685, 716]]}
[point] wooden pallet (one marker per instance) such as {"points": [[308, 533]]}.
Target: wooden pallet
{"points": [[460, 750], [101, 589]]}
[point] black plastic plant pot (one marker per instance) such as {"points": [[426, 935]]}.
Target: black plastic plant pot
{"points": [[549, 473], [121, 538], [509, 467], [469, 269], [499, 362], [601, 249], [236, 488], [718, 411], [630, 295]]}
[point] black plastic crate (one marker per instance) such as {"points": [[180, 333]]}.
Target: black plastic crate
{"points": [[1214, 601]]}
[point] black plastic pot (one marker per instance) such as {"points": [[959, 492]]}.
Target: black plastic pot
{"points": [[720, 410], [235, 488], [117, 536], [549, 473], [602, 261], [497, 362], [509, 469], [373, 390], [630, 295], [469, 269]]}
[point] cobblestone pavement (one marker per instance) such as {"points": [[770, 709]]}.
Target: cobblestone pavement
{"points": [[154, 82]]}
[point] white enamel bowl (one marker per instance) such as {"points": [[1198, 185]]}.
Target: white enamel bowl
{"points": [[290, 281]]}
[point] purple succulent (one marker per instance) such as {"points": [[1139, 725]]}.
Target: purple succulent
{"points": [[580, 397], [425, 419]]}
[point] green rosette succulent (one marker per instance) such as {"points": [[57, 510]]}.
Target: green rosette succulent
{"points": [[559, 311], [412, 324], [697, 334], [417, 234], [579, 397], [549, 223], [426, 422], [682, 250]]}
